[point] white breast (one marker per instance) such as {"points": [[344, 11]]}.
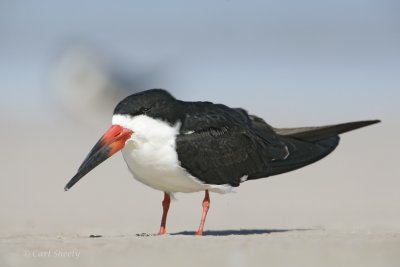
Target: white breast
{"points": [[152, 159]]}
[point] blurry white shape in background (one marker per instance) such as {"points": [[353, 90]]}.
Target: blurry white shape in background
{"points": [[88, 86]]}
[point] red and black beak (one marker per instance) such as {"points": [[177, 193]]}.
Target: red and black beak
{"points": [[110, 143]]}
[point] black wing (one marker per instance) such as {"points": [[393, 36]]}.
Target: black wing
{"points": [[306, 145], [301, 152], [218, 145]]}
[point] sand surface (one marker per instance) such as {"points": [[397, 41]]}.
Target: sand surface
{"points": [[284, 247], [342, 211]]}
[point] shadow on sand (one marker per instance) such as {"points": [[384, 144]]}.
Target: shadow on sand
{"points": [[240, 232]]}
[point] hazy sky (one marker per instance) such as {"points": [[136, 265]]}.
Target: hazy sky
{"points": [[284, 52]]}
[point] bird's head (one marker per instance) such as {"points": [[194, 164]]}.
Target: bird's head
{"points": [[154, 104]]}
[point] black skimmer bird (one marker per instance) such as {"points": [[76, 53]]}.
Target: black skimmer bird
{"points": [[176, 146]]}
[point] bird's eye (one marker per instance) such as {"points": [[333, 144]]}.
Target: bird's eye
{"points": [[143, 110], [140, 111]]}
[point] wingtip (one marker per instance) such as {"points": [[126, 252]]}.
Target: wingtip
{"points": [[373, 121]]}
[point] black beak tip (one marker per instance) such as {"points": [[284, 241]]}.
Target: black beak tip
{"points": [[71, 183]]}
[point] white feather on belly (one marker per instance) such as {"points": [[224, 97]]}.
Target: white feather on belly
{"points": [[152, 159]]}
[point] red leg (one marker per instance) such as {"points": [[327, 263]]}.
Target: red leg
{"points": [[206, 206], [165, 204]]}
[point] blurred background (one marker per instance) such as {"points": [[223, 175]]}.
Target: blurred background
{"points": [[65, 64]]}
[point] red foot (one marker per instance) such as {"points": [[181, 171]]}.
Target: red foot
{"points": [[162, 231]]}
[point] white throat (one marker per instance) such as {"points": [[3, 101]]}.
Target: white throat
{"points": [[147, 129]]}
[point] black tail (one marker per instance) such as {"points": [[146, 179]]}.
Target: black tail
{"points": [[313, 134], [308, 145]]}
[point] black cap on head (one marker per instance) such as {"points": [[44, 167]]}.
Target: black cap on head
{"points": [[156, 103]]}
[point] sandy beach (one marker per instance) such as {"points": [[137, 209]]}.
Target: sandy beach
{"points": [[285, 247], [342, 211]]}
